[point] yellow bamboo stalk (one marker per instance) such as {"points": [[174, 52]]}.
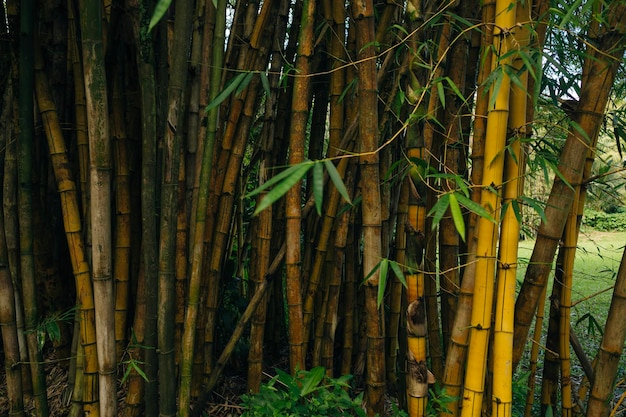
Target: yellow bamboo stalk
{"points": [[73, 232], [487, 230], [502, 391], [459, 338]]}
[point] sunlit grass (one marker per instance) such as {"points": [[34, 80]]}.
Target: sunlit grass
{"points": [[595, 269]]}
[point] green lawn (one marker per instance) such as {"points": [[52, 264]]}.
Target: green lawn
{"points": [[596, 265]]}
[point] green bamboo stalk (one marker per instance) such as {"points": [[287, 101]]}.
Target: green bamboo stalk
{"points": [[172, 145], [199, 226], [149, 215]]}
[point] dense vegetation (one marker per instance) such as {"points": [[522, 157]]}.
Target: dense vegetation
{"points": [[194, 188]]}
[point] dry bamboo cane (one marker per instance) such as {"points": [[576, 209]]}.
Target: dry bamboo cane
{"points": [[363, 13], [73, 231], [173, 137], [300, 111], [121, 259], [264, 225], [8, 325]]}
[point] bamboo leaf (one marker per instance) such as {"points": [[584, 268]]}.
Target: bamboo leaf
{"points": [[371, 272], [282, 187], [439, 209], [159, 11], [441, 93], [278, 178], [455, 89], [398, 271], [244, 83], [457, 216], [318, 186], [535, 205], [334, 176], [497, 82], [474, 207], [517, 211], [382, 281], [351, 86], [266, 84], [232, 85], [570, 12]]}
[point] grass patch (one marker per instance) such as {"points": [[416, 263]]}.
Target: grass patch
{"points": [[595, 269]]}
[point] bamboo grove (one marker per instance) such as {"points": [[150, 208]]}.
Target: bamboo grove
{"points": [[205, 187]]}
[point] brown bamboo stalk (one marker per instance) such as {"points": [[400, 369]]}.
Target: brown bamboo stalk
{"points": [[363, 13], [122, 244], [8, 321], [233, 147], [610, 350], [173, 137], [534, 355], [334, 291], [601, 65], [149, 215], [73, 231], [300, 111], [349, 304], [136, 383]]}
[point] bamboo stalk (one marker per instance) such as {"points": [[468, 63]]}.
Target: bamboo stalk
{"points": [[363, 13], [488, 230], [298, 336], [100, 187], [73, 232], [173, 136], [8, 322]]}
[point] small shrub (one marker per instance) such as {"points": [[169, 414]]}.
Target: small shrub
{"points": [[309, 393], [605, 222]]}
